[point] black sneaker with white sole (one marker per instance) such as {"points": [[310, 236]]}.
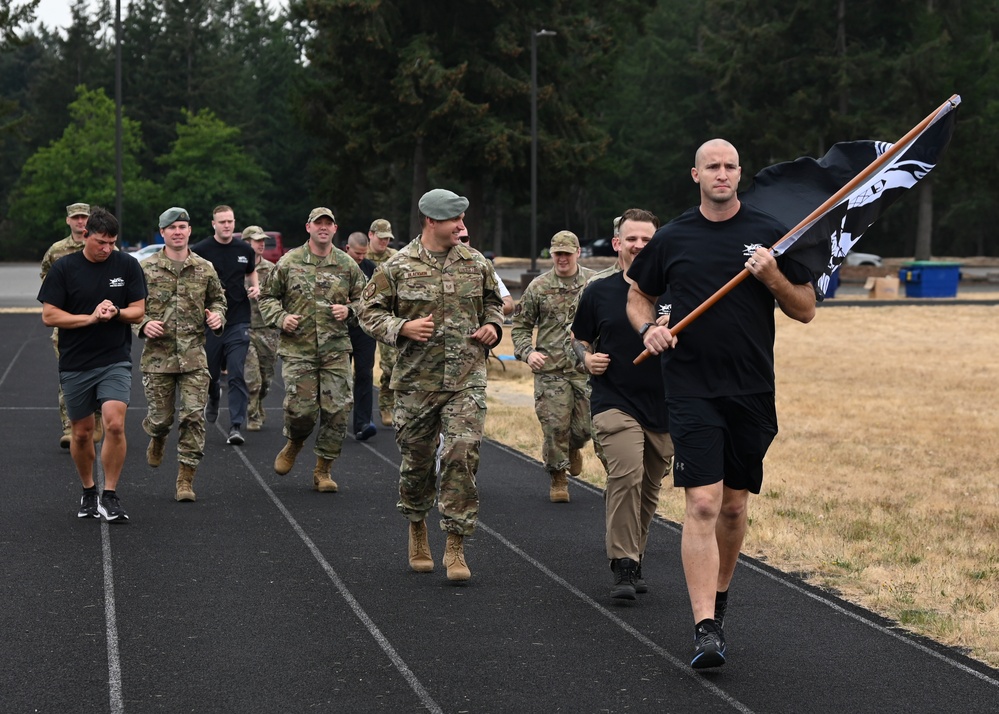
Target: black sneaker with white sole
{"points": [[235, 438], [110, 508], [88, 504], [709, 645]]}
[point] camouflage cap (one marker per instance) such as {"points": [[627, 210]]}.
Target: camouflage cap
{"points": [[253, 233], [564, 242], [381, 228], [319, 212], [441, 204], [77, 209], [172, 215]]}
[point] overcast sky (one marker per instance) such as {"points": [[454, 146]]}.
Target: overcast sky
{"points": [[56, 13]]}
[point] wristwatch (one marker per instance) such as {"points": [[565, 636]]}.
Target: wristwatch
{"points": [[645, 328]]}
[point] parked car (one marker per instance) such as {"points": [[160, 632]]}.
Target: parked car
{"points": [[602, 247], [146, 251], [273, 245], [864, 259], [598, 246]]}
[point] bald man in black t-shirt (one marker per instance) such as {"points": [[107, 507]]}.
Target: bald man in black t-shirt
{"points": [[719, 372]]}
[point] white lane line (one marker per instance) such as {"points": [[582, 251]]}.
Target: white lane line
{"points": [[117, 701], [682, 667], [114, 661], [421, 692], [818, 597], [13, 359]]}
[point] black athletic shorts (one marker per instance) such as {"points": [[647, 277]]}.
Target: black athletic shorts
{"points": [[721, 439]]}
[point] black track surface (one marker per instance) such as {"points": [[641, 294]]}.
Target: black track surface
{"points": [[265, 596]]}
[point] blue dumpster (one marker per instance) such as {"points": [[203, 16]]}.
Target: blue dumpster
{"points": [[930, 279], [833, 283]]}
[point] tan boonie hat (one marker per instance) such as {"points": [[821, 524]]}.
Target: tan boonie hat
{"points": [[381, 228], [441, 204], [77, 209], [319, 212], [564, 242], [253, 233]]}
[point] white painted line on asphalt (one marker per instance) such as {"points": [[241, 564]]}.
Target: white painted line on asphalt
{"points": [[818, 597], [421, 692], [110, 618], [114, 662], [10, 366], [682, 667]]}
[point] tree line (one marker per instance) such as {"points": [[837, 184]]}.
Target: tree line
{"points": [[363, 105]]}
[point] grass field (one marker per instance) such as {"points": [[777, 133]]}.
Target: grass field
{"points": [[883, 484]]}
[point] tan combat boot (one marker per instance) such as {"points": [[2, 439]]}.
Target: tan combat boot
{"points": [[321, 480], [420, 559], [386, 415], [154, 452], [286, 457], [185, 483], [559, 492], [454, 558], [98, 427], [66, 439], [575, 461]]}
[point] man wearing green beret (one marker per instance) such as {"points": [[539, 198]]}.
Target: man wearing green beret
{"points": [[561, 394], [185, 296], [438, 303], [312, 295], [76, 218]]}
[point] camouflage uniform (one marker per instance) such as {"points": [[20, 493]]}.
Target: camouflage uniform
{"points": [[262, 355], [561, 394], [605, 273], [57, 250], [315, 357], [440, 385], [387, 354], [176, 363]]}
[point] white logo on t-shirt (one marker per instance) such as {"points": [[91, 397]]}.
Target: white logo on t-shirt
{"points": [[750, 249], [117, 283], [242, 259]]}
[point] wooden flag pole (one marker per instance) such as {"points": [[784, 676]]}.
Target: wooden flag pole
{"points": [[832, 201]]}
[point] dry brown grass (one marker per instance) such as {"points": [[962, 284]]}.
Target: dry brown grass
{"points": [[883, 484]]}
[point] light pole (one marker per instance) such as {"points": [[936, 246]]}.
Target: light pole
{"points": [[534, 145], [118, 175]]}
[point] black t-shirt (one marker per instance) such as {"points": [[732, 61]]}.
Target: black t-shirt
{"points": [[76, 285], [233, 261], [602, 320], [367, 267], [728, 350]]}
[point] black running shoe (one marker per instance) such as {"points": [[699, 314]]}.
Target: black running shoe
{"points": [[110, 509], [366, 433], [235, 438], [88, 505], [709, 646], [624, 579]]}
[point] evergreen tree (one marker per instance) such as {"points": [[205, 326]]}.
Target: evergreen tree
{"points": [[206, 167], [79, 166]]}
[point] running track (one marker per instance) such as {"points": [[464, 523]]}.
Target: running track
{"points": [[267, 597]]}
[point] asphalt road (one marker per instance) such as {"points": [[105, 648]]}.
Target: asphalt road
{"points": [[265, 596]]}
